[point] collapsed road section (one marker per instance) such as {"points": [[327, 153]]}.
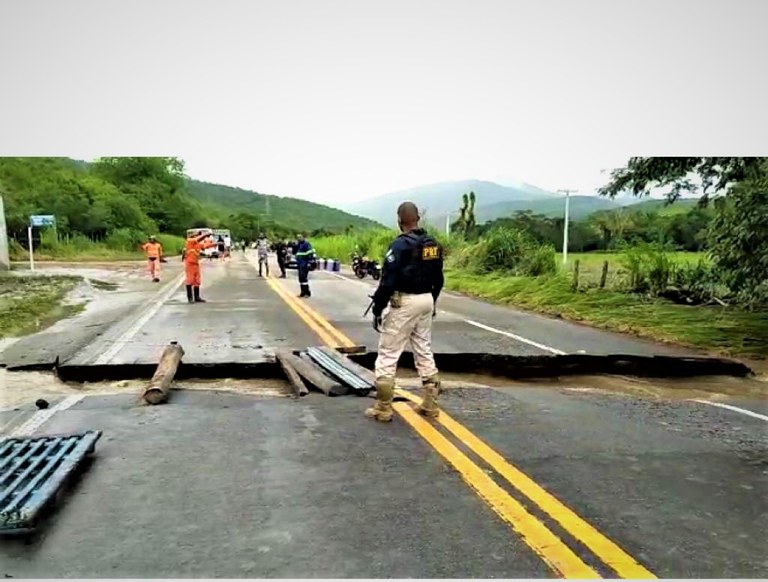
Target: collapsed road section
{"points": [[335, 373]]}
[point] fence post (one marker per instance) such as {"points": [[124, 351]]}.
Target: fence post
{"points": [[604, 275], [575, 284]]}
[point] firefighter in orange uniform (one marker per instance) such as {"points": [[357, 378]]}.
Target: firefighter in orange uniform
{"points": [[195, 245], [154, 252]]}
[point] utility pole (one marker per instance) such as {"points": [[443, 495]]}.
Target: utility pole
{"points": [[567, 218]]}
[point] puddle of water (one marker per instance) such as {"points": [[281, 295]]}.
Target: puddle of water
{"points": [[20, 389]]}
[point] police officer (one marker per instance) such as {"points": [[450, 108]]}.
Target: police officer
{"points": [[411, 282]]}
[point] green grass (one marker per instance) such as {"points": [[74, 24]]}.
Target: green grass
{"points": [[29, 304], [80, 249], [591, 264], [723, 330], [373, 243]]}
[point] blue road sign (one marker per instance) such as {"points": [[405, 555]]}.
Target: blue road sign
{"points": [[39, 220]]}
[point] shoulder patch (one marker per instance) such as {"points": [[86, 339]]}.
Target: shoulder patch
{"points": [[390, 256]]}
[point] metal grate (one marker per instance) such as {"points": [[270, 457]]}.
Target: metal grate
{"points": [[33, 470], [336, 369]]}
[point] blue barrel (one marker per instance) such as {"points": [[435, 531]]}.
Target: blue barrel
{"points": [[336, 266]]}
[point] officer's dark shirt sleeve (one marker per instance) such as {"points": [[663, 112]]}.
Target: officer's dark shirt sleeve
{"points": [[389, 273]]}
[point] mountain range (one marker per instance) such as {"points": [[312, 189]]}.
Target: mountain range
{"points": [[439, 201]]}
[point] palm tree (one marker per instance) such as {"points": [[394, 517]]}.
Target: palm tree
{"points": [[470, 220]]}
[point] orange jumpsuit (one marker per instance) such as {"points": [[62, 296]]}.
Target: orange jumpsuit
{"points": [[154, 251], [192, 249]]}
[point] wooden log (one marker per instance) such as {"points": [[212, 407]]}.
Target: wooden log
{"points": [[604, 275], [283, 358], [353, 367], [315, 376], [160, 384]]}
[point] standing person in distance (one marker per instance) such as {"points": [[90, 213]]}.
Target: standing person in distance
{"points": [[221, 247], [262, 248], [304, 256], [227, 247], [411, 281], [154, 251], [281, 249]]}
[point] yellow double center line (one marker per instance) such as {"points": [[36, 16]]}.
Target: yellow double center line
{"points": [[561, 558]]}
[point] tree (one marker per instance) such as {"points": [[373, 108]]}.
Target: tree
{"points": [[641, 174], [470, 218], [157, 185], [738, 240], [738, 234], [466, 224]]}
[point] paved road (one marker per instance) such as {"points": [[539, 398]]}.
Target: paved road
{"points": [[525, 481]]}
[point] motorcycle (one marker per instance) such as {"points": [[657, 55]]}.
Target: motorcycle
{"points": [[356, 260], [364, 266]]}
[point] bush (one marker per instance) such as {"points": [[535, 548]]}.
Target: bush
{"points": [[508, 250], [16, 252], [172, 245], [125, 239], [540, 261], [649, 268]]}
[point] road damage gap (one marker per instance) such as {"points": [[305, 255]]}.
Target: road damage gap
{"points": [[513, 367]]}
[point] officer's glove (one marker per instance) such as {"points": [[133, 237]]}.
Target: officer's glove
{"points": [[377, 322]]}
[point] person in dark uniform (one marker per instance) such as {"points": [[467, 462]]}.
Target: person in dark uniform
{"points": [[304, 256], [281, 250], [411, 282]]}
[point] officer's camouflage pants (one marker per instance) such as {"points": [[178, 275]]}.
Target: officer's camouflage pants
{"points": [[409, 323]]}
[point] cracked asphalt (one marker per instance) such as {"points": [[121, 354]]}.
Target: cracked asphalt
{"points": [[253, 483]]}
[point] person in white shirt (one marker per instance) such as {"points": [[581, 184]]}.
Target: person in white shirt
{"points": [[262, 248], [227, 246]]}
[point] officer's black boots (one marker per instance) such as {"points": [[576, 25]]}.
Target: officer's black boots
{"points": [[190, 299]]}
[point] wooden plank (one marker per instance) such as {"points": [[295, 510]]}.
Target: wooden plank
{"points": [[283, 357], [315, 376], [354, 350], [160, 384]]}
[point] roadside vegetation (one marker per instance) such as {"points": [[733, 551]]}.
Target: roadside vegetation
{"points": [[120, 245], [697, 277], [105, 210], [31, 303]]}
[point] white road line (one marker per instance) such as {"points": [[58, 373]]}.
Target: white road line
{"points": [[41, 416], [516, 337], [734, 409], [127, 336]]}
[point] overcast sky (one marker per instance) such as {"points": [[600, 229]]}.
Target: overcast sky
{"points": [[345, 99]]}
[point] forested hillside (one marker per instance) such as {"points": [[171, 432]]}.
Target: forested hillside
{"points": [[300, 214], [125, 199]]}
